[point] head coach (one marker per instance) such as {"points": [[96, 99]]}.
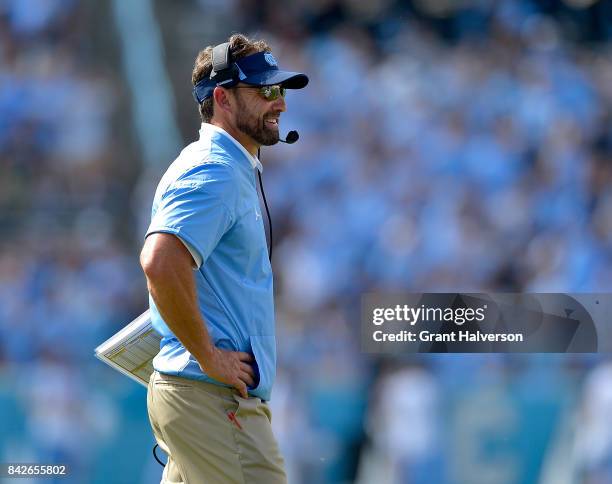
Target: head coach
{"points": [[210, 281]]}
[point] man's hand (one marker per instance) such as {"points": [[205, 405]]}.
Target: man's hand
{"points": [[230, 367]]}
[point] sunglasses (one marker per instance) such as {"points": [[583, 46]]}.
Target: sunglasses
{"points": [[269, 93]]}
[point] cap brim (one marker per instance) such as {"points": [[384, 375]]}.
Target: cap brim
{"points": [[289, 80]]}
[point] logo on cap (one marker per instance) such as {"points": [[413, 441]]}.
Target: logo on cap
{"points": [[270, 59]]}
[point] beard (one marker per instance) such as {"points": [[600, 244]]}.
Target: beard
{"points": [[255, 127]]}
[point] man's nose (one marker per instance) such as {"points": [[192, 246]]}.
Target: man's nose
{"points": [[280, 105]]}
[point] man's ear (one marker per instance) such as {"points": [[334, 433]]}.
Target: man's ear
{"points": [[221, 99]]}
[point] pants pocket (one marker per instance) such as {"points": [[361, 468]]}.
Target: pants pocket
{"points": [[247, 406], [169, 382]]}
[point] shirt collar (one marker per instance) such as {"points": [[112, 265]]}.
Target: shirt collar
{"points": [[207, 128]]}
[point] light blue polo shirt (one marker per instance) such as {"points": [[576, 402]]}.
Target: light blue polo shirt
{"points": [[208, 198]]}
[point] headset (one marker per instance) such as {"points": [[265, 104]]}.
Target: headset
{"points": [[224, 70]]}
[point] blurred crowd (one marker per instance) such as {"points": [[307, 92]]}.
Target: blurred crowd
{"points": [[67, 276], [444, 146]]}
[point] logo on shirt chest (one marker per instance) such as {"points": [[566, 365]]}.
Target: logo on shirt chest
{"points": [[257, 214]]}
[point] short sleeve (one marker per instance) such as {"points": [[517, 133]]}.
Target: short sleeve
{"points": [[195, 255], [196, 210]]}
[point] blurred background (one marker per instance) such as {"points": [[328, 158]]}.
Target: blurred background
{"points": [[446, 145]]}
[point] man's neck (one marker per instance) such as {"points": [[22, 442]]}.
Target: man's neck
{"points": [[246, 141]]}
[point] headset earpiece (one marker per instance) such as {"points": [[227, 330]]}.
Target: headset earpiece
{"points": [[224, 70]]}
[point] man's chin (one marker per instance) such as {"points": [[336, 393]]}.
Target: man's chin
{"points": [[269, 138]]}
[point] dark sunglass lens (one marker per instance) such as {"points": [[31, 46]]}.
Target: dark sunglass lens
{"points": [[272, 93]]}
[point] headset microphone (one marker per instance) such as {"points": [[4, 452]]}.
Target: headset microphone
{"points": [[292, 137]]}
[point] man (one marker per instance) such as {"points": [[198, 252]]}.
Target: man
{"points": [[210, 281]]}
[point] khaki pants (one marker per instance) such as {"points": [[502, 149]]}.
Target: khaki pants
{"points": [[211, 435]]}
